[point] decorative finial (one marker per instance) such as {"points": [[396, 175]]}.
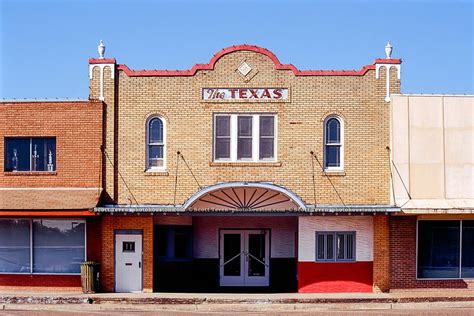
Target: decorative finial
{"points": [[388, 50], [101, 49]]}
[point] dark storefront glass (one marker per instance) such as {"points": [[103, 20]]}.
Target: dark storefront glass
{"points": [[467, 267]]}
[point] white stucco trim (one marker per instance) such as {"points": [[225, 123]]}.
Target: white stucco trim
{"points": [[101, 76]]}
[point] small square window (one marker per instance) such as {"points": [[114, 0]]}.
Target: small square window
{"points": [[128, 246]]}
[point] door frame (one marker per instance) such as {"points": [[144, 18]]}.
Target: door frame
{"points": [[268, 231], [127, 232]]}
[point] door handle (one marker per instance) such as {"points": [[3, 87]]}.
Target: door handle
{"points": [[139, 265]]}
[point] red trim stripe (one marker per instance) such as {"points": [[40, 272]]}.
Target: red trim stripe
{"points": [[266, 52]]}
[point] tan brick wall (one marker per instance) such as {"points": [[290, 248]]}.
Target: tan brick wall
{"points": [[381, 265], [358, 99], [77, 126], [109, 225]]}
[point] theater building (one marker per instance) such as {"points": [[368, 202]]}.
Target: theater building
{"points": [[240, 174], [245, 174]]}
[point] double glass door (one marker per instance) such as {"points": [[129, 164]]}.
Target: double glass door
{"points": [[244, 257]]}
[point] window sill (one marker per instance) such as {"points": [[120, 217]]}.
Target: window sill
{"points": [[157, 172], [30, 173], [244, 164], [334, 173]]}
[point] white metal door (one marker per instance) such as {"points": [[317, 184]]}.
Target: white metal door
{"points": [[128, 263], [244, 258]]}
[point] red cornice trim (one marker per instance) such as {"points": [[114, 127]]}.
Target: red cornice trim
{"points": [[102, 61], [266, 52], [59, 213], [388, 61]]}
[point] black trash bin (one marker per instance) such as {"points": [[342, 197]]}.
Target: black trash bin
{"points": [[90, 277]]}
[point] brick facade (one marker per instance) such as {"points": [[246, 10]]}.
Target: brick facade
{"points": [[77, 126], [381, 273], [403, 259], [359, 100]]}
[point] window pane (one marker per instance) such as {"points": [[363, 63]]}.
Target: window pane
{"points": [[58, 246], [182, 242], [245, 126], [222, 125], [266, 148], [40, 156], [340, 246], [156, 151], [244, 148], [231, 255], [161, 240], [222, 148], [320, 246], [467, 269], [333, 131], [17, 154], [14, 245], [330, 246], [350, 246], [156, 131], [332, 157], [266, 126], [438, 249]]}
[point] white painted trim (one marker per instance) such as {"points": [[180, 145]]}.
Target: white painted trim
{"points": [[255, 137], [147, 143], [266, 185], [101, 76], [387, 67], [341, 153]]}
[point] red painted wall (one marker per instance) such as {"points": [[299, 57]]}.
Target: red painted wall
{"points": [[18, 282], [318, 277]]}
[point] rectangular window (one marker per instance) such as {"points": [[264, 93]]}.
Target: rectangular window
{"points": [[245, 137], [222, 147], [30, 154], [14, 246], [335, 246], [57, 246], [173, 243]]}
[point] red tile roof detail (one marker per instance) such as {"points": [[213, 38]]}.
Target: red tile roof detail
{"points": [[264, 51], [102, 61]]}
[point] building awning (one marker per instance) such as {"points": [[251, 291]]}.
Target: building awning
{"points": [[32, 199], [437, 206], [309, 210]]}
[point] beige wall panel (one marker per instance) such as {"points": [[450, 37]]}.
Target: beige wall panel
{"points": [[427, 181], [460, 181], [426, 145], [459, 112], [403, 173], [400, 131], [459, 145], [426, 112], [309, 225]]}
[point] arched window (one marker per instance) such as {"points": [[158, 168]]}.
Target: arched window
{"points": [[156, 138], [333, 143]]}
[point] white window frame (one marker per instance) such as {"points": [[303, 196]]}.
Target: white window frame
{"points": [[148, 144], [255, 138], [341, 143], [32, 246]]}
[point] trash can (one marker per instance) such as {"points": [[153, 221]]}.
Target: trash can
{"points": [[90, 277]]}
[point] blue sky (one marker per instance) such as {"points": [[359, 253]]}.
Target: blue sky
{"points": [[45, 44]]}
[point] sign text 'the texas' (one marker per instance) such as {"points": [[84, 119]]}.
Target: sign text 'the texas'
{"points": [[248, 94]]}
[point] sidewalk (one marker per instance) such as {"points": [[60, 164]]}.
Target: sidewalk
{"points": [[217, 302]]}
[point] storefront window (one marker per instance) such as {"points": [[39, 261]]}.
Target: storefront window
{"points": [[467, 267], [438, 249], [14, 246], [58, 246], [173, 243]]}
